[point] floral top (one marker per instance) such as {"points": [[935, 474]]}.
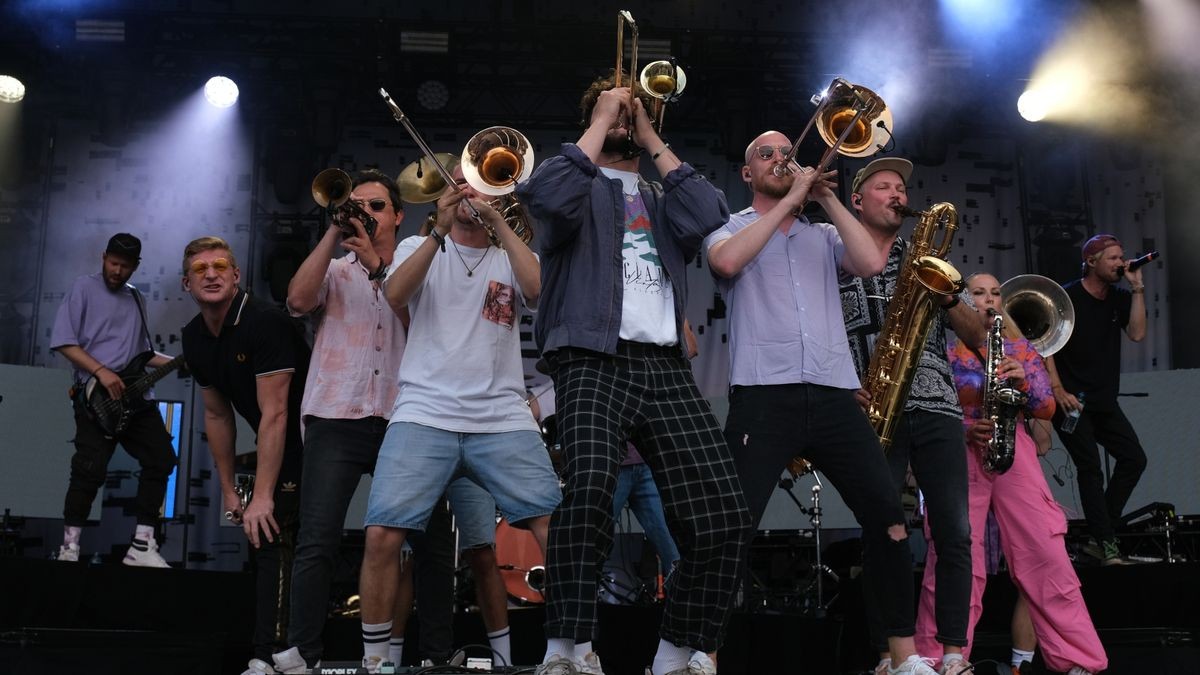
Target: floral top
{"points": [[967, 368]]}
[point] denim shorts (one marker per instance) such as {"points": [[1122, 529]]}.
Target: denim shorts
{"points": [[474, 514], [417, 464]]}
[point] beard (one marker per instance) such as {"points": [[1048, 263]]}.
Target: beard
{"points": [[617, 142], [771, 185]]}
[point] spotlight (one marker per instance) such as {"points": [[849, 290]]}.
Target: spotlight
{"points": [[11, 89], [1033, 105], [221, 91]]}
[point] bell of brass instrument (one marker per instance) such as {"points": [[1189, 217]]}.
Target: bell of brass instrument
{"points": [[493, 162], [664, 81], [331, 191], [851, 119], [924, 278], [1041, 309], [1002, 403]]}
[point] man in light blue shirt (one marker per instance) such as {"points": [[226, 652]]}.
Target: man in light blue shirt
{"points": [[791, 375]]}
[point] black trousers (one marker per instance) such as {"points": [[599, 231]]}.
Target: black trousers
{"points": [[145, 438], [768, 425], [1103, 423]]}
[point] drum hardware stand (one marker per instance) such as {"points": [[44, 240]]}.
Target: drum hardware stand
{"points": [[820, 569]]}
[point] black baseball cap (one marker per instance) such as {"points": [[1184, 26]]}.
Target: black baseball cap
{"points": [[125, 245]]}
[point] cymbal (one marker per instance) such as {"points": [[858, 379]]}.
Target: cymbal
{"points": [[429, 186]]}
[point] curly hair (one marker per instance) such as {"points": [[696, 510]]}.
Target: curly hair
{"points": [[603, 84]]}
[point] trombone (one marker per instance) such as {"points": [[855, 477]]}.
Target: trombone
{"points": [[851, 119], [661, 80], [623, 18]]}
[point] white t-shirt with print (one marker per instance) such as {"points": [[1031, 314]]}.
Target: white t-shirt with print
{"points": [[462, 369]]}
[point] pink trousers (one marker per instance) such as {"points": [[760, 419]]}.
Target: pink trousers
{"points": [[1032, 530]]}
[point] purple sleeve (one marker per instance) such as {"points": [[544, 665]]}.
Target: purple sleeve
{"points": [[69, 318], [1037, 381]]}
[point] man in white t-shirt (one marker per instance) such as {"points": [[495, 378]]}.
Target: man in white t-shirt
{"points": [[461, 408]]}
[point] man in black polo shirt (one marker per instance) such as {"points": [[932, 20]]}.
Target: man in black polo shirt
{"points": [[250, 357], [1086, 375]]}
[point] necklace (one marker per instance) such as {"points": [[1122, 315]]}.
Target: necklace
{"points": [[470, 268]]}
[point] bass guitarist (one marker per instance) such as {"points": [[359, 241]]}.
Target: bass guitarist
{"points": [[101, 328]]}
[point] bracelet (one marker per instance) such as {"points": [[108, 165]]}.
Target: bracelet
{"points": [[378, 273], [98, 369], [439, 238], [953, 303], [655, 156], [1138, 289]]}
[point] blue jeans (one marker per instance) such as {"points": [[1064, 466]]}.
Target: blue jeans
{"points": [[336, 455], [635, 486]]}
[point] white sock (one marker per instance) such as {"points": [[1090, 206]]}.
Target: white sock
{"points": [[395, 649], [670, 657], [582, 649], [501, 646], [1019, 656], [71, 535], [564, 647], [144, 532], [375, 637]]}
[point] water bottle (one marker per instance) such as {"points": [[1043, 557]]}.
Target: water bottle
{"points": [[1072, 418]]}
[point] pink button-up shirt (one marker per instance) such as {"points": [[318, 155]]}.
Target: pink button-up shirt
{"points": [[360, 340]]}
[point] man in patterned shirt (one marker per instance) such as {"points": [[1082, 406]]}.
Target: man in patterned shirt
{"points": [[929, 435]]}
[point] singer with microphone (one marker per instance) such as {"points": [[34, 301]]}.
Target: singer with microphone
{"points": [[1086, 376]]}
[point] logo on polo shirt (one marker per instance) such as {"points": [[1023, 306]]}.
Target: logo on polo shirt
{"points": [[241, 358]]}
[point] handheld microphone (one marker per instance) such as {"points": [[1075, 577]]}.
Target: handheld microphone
{"points": [[1138, 262]]}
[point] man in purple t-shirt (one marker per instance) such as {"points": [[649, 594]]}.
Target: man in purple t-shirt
{"points": [[100, 328]]}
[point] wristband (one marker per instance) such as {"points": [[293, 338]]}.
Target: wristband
{"points": [[655, 156], [1139, 289], [379, 273], [98, 369], [439, 238]]}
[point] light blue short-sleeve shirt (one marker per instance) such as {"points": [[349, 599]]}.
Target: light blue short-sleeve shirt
{"points": [[785, 312]]}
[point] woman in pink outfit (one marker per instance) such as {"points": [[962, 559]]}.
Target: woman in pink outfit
{"points": [[1032, 525]]}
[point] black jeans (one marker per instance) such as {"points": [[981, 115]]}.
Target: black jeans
{"points": [[145, 438], [337, 452], [273, 567], [768, 425], [935, 446], [1105, 424]]}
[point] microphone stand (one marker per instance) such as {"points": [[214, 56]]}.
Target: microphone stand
{"points": [[814, 513]]}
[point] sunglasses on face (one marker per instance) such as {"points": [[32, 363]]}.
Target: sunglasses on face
{"points": [[768, 151], [375, 205], [218, 265]]}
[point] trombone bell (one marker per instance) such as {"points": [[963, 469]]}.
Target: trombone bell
{"points": [[496, 159], [663, 80], [844, 100], [1041, 309]]}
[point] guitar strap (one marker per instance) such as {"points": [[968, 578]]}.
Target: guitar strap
{"points": [[137, 297]]}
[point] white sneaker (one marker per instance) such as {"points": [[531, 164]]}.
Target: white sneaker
{"points": [[883, 666], [1079, 670], [915, 665], [290, 661], [955, 667], [371, 663], [68, 552], [258, 667], [145, 554], [557, 665], [701, 664], [589, 664]]}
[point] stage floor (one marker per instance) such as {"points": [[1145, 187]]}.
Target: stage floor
{"points": [[73, 618]]}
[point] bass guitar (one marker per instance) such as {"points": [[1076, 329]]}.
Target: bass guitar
{"points": [[112, 414]]}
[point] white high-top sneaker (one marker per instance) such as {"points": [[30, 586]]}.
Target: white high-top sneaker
{"points": [[68, 552], [144, 554]]}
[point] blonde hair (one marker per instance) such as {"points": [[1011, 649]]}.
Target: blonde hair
{"points": [[197, 246], [1011, 330]]}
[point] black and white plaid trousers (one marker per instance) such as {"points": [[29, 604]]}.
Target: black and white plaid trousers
{"points": [[645, 394]]}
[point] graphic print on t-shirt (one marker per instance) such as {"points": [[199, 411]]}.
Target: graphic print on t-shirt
{"points": [[643, 269], [498, 304]]}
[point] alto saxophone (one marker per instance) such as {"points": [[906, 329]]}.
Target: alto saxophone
{"points": [[924, 278], [1002, 403]]}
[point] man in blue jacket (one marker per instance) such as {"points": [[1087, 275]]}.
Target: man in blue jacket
{"points": [[614, 288]]}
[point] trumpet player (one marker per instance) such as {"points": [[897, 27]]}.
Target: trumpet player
{"points": [[929, 434], [460, 410], [615, 249], [1032, 526], [792, 381]]}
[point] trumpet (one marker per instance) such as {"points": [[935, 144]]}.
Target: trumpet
{"points": [[331, 191], [851, 119]]}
